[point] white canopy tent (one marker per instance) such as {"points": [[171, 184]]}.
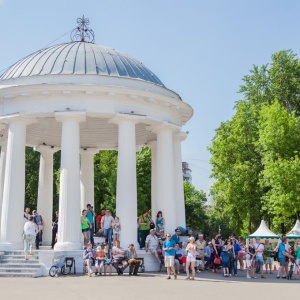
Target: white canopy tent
{"points": [[263, 232], [295, 232]]}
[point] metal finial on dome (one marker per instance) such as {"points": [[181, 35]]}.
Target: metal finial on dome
{"points": [[83, 33]]}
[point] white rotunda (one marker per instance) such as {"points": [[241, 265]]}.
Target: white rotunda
{"points": [[81, 98]]}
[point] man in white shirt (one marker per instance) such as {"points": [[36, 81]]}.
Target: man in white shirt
{"points": [[151, 244], [106, 225]]}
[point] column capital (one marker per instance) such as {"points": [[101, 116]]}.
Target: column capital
{"points": [[75, 116], [152, 144], [86, 150], [122, 118], [19, 117], [180, 136], [46, 149], [163, 126]]}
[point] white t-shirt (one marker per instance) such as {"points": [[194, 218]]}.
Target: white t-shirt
{"points": [[259, 248], [29, 228], [107, 221], [152, 241]]}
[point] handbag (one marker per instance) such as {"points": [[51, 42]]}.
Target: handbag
{"points": [[265, 257], [217, 260]]}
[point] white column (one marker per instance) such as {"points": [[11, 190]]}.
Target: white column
{"points": [[178, 180], [126, 202], [2, 173], [87, 176], [45, 190], [69, 233], [153, 146], [165, 174], [14, 185]]}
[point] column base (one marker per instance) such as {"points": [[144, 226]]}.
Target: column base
{"points": [[5, 246], [67, 246]]}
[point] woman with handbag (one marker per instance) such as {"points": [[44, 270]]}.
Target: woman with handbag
{"points": [[217, 249]]}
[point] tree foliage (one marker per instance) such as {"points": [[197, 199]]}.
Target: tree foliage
{"points": [[194, 207], [255, 154]]}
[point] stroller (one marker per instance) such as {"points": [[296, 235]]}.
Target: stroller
{"points": [[292, 268]]}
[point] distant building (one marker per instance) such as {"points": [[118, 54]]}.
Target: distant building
{"points": [[187, 172]]}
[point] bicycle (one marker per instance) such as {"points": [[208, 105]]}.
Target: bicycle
{"points": [[292, 267], [61, 266]]}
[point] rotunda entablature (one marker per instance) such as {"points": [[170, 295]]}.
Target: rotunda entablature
{"points": [[96, 100]]}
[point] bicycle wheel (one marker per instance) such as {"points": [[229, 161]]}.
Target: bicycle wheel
{"points": [[65, 270], [52, 271]]}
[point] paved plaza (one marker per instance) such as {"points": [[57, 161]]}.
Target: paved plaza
{"points": [[148, 286]]}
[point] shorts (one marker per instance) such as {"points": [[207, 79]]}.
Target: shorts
{"points": [[85, 230], [169, 261], [269, 261], [99, 263], [108, 262], [91, 260], [190, 259], [152, 250], [116, 233], [282, 262], [259, 262]]}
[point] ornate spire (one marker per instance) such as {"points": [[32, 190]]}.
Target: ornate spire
{"points": [[83, 33]]}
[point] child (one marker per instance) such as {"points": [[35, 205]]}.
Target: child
{"points": [[100, 258], [248, 265], [108, 260], [116, 229], [89, 257], [225, 261]]}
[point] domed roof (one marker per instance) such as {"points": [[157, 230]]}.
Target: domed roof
{"points": [[80, 58]]}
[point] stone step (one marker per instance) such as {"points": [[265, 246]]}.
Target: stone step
{"points": [[18, 261], [19, 252], [13, 265], [6, 257], [17, 274], [18, 270]]}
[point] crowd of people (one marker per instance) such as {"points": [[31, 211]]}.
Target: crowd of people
{"points": [[192, 255]]}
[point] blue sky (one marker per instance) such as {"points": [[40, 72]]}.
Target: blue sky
{"points": [[200, 49]]}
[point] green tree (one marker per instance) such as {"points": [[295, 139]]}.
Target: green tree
{"points": [[194, 207], [238, 160], [236, 166], [32, 163], [279, 142], [143, 173], [105, 165]]}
